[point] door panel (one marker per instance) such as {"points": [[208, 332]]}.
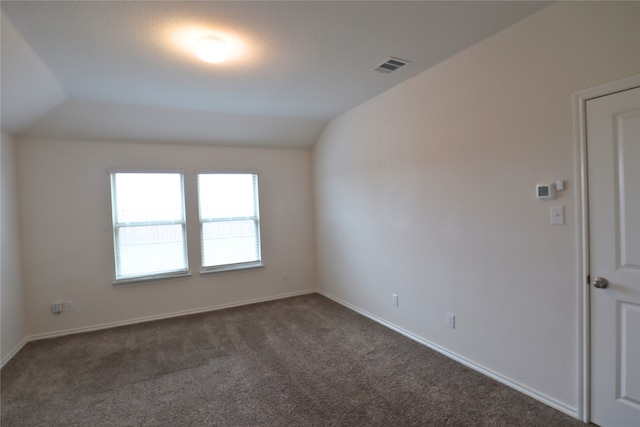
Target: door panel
{"points": [[613, 152], [628, 135]]}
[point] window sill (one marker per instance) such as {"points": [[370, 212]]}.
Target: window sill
{"points": [[232, 267], [155, 278]]}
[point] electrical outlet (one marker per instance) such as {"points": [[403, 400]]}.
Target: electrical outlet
{"points": [[285, 276], [451, 321], [394, 299], [68, 306], [56, 308]]}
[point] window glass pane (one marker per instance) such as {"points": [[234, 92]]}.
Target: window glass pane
{"points": [[229, 242], [149, 224], [226, 195], [150, 250], [146, 197], [230, 226]]}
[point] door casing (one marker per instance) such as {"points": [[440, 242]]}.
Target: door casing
{"points": [[580, 99]]}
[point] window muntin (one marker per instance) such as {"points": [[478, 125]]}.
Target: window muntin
{"points": [[149, 225], [229, 221]]}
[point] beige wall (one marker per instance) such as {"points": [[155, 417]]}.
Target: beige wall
{"points": [[428, 191], [12, 313], [64, 198], [425, 191]]}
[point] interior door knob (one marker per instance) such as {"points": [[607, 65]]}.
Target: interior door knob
{"points": [[600, 282]]}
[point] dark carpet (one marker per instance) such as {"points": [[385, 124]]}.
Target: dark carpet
{"points": [[302, 361]]}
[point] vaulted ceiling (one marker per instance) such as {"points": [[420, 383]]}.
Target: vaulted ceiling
{"points": [[125, 70]]}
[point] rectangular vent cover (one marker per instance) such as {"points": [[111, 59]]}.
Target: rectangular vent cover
{"points": [[391, 64]]}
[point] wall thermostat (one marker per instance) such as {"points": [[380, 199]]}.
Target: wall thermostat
{"points": [[546, 191]]}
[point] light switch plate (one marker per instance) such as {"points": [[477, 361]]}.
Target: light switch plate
{"points": [[557, 215]]}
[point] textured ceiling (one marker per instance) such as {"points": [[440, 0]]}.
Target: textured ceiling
{"points": [[120, 71]]}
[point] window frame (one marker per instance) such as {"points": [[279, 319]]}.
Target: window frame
{"points": [[117, 226], [259, 263]]}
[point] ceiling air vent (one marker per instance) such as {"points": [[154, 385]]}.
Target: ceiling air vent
{"points": [[391, 64]]}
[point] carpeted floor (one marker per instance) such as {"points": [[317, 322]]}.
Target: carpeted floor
{"points": [[303, 361]]}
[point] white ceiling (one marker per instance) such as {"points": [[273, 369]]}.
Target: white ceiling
{"points": [[116, 71]]}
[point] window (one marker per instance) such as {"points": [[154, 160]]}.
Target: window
{"points": [[149, 227], [229, 221]]}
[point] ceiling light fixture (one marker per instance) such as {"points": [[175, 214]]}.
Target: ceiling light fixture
{"points": [[212, 49]]}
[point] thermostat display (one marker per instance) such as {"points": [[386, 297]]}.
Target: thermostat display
{"points": [[546, 191]]}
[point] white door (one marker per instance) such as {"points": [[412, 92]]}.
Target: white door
{"points": [[613, 153]]}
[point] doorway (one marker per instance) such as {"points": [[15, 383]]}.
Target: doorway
{"points": [[609, 144]]}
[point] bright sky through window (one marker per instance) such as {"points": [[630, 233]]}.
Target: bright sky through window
{"points": [[230, 227], [149, 225], [143, 197]]}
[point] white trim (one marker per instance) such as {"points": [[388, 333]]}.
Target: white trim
{"points": [[582, 237], [142, 280], [223, 171], [164, 316], [114, 170], [232, 267], [547, 400], [609, 88], [13, 352]]}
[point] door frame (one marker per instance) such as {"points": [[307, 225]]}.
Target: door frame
{"points": [[583, 407]]}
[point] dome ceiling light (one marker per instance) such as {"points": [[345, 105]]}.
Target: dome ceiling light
{"points": [[212, 49]]}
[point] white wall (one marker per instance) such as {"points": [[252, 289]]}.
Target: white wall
{"points": [[12, 315], [428, 191], [29, 90], [67, 255]]}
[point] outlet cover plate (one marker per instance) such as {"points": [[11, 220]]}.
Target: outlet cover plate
{"points": [[451, 320]]}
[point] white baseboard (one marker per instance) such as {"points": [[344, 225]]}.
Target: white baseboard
{"points": [[153, 318], [475, 366], [541, 397], [13, 352]]}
